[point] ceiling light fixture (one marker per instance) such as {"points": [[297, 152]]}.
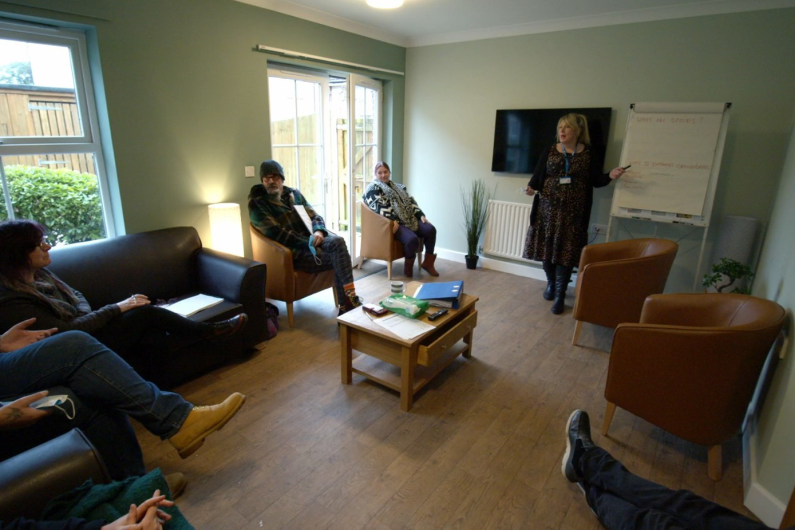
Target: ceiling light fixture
{"points": [[385, 4]]}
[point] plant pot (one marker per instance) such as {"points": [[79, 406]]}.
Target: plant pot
{"points": [[472, 262]]}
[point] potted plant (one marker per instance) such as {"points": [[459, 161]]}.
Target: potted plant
{"points": [[475, 202], [731, 270]]}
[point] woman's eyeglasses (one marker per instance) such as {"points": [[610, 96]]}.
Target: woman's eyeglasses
{"points": [[44, 244]]}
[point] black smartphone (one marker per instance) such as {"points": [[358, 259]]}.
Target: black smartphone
{"points": [[434, 316]]}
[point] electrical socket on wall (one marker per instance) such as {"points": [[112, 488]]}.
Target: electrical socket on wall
{"points": [[598, 229]]}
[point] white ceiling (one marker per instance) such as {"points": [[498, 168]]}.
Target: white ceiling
{"points": [[425, 22]]}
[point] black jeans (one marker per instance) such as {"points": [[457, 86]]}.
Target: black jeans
{"points": [[124, 333], [622, 500]]}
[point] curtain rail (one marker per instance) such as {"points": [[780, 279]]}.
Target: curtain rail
{"points": [[299, 55]]}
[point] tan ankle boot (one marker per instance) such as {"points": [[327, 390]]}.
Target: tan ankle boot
{"points": [[176, 484], [202, 422], [427, 264], [408, 268]]}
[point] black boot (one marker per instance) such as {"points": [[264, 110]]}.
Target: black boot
{"points": [[549, 269], [562, 277]]}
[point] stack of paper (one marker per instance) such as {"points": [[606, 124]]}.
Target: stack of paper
{"points": [[194, 304]]}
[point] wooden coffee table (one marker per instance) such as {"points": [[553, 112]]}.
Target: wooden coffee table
{"points": [[405, 365]]}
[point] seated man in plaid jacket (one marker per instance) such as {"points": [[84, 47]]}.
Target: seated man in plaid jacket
{"points": [[272, 210]]}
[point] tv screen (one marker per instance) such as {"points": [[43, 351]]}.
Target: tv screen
{"points": [[522, 135]]}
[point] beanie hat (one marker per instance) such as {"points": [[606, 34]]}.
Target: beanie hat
{"points": [[271, 167]]}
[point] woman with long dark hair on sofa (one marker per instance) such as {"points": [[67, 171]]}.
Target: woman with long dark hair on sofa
{"points": [[29, 290]]}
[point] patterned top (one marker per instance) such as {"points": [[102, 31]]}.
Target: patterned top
{"points": [[398, 206], [559, 223], [278, 220]]}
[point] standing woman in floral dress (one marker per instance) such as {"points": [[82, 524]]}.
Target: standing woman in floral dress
{"points": [[563, 184]]}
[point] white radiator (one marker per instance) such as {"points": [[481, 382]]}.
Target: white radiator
{"points": [[506, 229]]}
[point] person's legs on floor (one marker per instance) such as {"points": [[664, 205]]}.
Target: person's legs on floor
{"points": [[585, 463]]}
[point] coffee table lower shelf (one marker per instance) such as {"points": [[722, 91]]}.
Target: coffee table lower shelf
{"points": [[389, 375]]}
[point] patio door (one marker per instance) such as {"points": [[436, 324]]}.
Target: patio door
{"points": [[325, 131], [365, 129], [297, 132]]}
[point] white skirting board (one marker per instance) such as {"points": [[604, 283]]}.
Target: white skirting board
{"points": [[530, 270], [757, 499]]}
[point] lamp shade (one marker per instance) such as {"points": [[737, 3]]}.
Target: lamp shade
{"points": [[225, 228]]}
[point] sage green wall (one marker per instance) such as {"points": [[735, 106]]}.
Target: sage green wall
{"points": [[453, 91], [187, 95], [775, 280]]}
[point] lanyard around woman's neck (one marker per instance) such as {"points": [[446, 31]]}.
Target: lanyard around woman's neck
{"points": [[566, 156]]}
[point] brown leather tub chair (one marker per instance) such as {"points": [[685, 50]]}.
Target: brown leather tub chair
{"points": [[690, 366], [284, 283], [614, 279], [378, 241]]}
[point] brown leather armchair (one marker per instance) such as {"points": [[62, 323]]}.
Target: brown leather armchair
{"points": [[614, 279], [283, 281], [378, 240], [690, 366]]}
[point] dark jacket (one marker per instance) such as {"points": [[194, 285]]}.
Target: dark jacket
{"points": [[17, 306], [596, 178], [278, 220]]}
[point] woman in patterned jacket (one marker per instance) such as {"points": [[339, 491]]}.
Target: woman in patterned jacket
{"points": [[409, 224]]}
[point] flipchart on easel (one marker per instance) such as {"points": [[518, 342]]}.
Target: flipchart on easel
{"points": [[674, 150]]}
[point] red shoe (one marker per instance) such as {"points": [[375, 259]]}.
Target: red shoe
{"points": [[427, 264]]}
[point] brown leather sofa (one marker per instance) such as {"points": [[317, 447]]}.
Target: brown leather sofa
{"points": [[31, 479], [614, 279], [166, 264], [690, 366], [378, 241], [284, 282]]}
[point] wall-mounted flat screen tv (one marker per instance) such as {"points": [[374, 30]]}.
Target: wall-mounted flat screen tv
{"points": [[522, 135]]}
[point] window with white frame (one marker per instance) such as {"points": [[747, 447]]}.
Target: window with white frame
{"points": [[51, 164]]}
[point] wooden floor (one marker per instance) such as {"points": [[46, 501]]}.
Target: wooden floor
{"points": [[481, 448]]}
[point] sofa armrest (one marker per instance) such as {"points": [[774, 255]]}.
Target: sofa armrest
{"points": [[239, 280], [32, 479]]}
